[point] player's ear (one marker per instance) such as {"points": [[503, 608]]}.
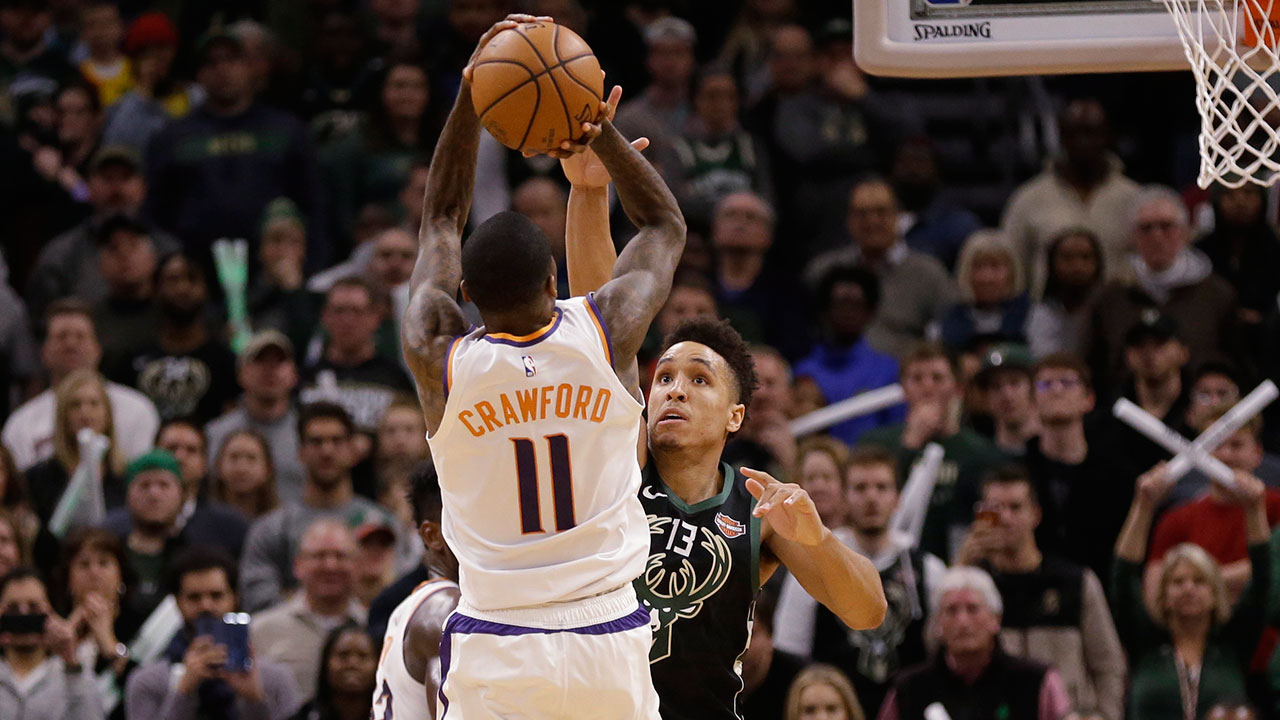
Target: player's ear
{"points": [[466, 297], [737, 414], [432, 536], [552, 286]]}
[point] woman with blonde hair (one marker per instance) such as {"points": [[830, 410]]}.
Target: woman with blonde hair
{"points": [[821, 465], [1193, 639], [822, 692], [994, 304], [81, 402]]}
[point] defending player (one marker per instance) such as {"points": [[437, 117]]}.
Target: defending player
{"points": [[715, 537], [533, 434], [409, 668]]}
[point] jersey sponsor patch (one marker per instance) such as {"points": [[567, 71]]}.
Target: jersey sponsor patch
{"points": [[729, 527]]}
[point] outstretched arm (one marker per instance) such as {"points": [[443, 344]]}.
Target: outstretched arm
{"points": [[433, 317], [642, 275]]}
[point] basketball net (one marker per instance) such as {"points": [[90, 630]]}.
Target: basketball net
{"points": [[1231, 45]]}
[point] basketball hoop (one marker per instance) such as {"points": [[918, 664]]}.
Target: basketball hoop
{"points": [[1232, 48]]}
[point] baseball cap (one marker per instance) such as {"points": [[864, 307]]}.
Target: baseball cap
{"points": [[150, 30], [1151, 324], [1005, 356], [153, 460], [375, 527], [115, 155], [670, 28], [264, 340], [213, 38]]}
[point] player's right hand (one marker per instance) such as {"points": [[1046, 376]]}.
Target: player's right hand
{"points": [[506, 23], [583, 168]]}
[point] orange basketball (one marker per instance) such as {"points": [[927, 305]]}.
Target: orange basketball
{"points": [[534, 85]]}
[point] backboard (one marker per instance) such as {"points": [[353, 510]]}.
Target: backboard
{"points": [[966, 38]]}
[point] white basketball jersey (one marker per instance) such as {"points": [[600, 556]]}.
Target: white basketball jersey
{"points": [[397, 695], [537, 461]]}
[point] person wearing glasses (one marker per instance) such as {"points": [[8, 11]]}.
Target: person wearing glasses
{"points": [[1084, 486]]}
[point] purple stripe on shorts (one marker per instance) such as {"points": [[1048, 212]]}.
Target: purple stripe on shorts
{"points": [[445, 647], [459, 623]]}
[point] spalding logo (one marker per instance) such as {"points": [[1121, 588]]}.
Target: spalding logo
{"points": [[729, 527]]}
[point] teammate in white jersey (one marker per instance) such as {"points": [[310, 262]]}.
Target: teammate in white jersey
{"points": [[533, 431], [409, 667]]}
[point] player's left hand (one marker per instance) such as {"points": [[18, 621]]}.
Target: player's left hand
{"points": [[787, 506], [590, 131]]}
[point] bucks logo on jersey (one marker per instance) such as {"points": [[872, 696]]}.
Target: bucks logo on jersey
{"points": [[675, 585]]}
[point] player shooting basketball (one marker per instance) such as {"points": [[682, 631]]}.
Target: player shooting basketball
{"points": [[715, 536], [533, 430]]}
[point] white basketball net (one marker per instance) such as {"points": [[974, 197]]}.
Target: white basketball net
{"points": [[1236, 84]]}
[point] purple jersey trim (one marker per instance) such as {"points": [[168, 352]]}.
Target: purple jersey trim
{"points": [[459, 623], [533, 339], [446, 646], [595, 310]]}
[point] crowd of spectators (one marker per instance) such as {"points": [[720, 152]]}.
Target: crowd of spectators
{"points": [[1017, 253]]}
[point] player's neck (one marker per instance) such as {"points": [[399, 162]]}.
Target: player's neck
{"points": [[519, 324], [693, 474]]}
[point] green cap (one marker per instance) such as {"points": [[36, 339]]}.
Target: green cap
{"points": [[282, 208], [1005, 356], [153, 460]]}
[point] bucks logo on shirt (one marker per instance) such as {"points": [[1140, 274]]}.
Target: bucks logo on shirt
{"points": [[699, 586]]}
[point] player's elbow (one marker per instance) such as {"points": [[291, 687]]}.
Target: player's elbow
{"points": [[866, 613]]}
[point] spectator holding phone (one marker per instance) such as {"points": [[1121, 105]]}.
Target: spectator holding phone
{"points": [[210, 683], [40, 676]]}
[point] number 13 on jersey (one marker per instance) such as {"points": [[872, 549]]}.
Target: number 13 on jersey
{"points": [[527, 483]]}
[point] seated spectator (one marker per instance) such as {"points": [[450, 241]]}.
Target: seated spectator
{"points": [[935, 225], [662, 111], [105, 66], [126, 317], [244, 475], [765, 439], [30, 50], [1080, 472], [402, 434], [1084, 187], [1192, 637], [993, 303], [349, 370], [40, 676], [68, 264], [1214, 520], [293, 632], [844, 364], [82, 403], [151, 538], [871, 658], [278, 297], [97, 598], [267, 372], [1058, 320], [203, 521], [70, 344], [715, 157], [381, 554], [821, 691], [1055, 610], [972, 676], [931, 384], [394, 253], [767, 672], [325, 433], [1005, 381], [1170, 277], [13, 549], [184, 366], [158, 95], [914, 288], [339, 84], [15, 500], [79, 122], [692, 295], [190, 682], [19, 361], [821, 465], [1157, 360], [346, 677], [1241, 246], [752, 295]]}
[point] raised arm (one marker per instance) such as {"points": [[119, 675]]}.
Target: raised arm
{"points": [[642, 275], [433, 317]]}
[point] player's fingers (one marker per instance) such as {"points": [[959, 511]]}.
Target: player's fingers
{"points": [[764, 477], [640, 143], [755, 487]]}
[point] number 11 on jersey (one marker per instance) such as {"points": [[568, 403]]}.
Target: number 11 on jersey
{"points": [[561, 483]]}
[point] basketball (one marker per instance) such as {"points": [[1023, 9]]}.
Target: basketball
{"points": [[534, 85]]}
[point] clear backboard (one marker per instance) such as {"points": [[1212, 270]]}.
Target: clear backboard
{"points": [[966, 38]]}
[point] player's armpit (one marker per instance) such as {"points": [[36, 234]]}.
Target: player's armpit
{"points": [[847, 583], [422, 640], [431, 322]]}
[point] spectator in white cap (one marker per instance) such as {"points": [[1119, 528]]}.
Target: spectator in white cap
{"points": [[663, 109], [267, 372]]}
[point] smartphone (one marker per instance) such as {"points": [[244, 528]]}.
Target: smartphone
{"points": [[232, 632], [23, 623]]}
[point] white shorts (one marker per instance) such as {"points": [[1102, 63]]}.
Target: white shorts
{"points": [[585, 659]]}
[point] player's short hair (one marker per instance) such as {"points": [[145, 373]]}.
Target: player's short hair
{"points": [[505, 263], [1065, 361], [723, 340], [424, 493], [186, 422], [1011, 473], [324, 410], [854, 275]]}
